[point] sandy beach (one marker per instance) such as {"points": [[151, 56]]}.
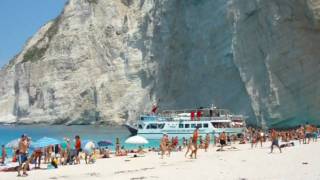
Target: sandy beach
{"points": [[241, 162]]}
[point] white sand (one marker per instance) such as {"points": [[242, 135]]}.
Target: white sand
{"points": [[245, 163]]}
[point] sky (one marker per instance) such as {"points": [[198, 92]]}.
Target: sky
{"points": [[20, 20]]}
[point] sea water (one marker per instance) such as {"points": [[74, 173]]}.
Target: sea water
{"points": [[86, 132]]}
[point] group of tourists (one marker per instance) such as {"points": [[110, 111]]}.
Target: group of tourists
{"points": [[69, 153], [254, 136], [304, 134], [52, 155]]}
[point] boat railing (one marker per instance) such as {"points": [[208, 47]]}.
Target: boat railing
{"points": [[160, 117]]}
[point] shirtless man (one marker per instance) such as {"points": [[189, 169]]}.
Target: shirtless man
{"points": [[301, 134], [163, 145], [23, 156], [309, 131], [222, 139], [275, 140], [260, 138]]}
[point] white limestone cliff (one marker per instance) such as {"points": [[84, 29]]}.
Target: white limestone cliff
{"points": [[108, 60]]}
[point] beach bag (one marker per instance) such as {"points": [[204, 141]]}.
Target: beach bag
{"points": [[54, 163]]}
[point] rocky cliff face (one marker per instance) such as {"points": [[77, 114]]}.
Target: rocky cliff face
{"points": [[107, 60]]}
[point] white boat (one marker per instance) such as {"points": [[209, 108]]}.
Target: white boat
{"points": [[182, 123]]}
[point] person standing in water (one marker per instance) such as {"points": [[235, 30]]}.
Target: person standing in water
{"points": [[275, 140]]}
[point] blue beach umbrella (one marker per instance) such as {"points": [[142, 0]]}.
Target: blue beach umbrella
{"points": [[44, 142], [104, 143]]}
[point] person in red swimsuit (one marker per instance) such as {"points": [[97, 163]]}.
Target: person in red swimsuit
{"points": [[78, 148]]}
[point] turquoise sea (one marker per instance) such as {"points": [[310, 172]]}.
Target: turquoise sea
{"points": [[86, 132]]}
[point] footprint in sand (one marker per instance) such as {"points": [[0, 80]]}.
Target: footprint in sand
{"points": [[138, 178], [94, 174]]}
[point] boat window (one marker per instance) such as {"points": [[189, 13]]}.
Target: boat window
{"points": [[187, 126], [142, 118], [205, 125], [180, 125], [140, 126], [193, 125], [161, 126], [199, 125], [152, 126]]}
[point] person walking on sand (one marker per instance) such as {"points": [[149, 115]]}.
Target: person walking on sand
{"points": [[190, 147], [309, 131], [118, 146], [275, 140], [163, 145], [222, 140], [22, 155], [195, 143], [260, 138], [207, 142], [3, 154], [78, 148]]}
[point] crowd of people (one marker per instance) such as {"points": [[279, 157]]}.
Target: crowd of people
{"points": [[55, 155], [71, 153], [256, 137]]}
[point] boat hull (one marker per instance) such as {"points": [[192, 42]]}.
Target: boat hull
{"points": [[188, 133]]}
